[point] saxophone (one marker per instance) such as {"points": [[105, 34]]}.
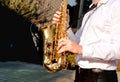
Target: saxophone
{"points": [[52, 61]]}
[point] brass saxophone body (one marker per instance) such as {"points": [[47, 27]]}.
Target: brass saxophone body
{"points": [[52, 61]]}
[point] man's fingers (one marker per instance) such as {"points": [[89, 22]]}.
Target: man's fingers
{"points": [[56, 17], [61, 43], [63, 49]]}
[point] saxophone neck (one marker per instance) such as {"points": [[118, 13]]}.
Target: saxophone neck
{"points": [[63, 9]]}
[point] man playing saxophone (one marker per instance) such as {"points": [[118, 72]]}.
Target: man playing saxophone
{"points": [[96, 44]]}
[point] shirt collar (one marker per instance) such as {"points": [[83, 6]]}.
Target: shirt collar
{"points": [[100, 2], [103, 1]]}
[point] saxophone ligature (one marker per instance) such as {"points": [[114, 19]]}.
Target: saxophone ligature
{"points": [[52, 61]]}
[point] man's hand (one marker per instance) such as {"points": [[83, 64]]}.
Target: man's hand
{"points": [[68, 45], [57, 16]]}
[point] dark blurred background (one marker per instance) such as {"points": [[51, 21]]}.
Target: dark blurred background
{"points": [[16, 42]]}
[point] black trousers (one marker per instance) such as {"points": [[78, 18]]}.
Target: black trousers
{"points": [[95, 75]]}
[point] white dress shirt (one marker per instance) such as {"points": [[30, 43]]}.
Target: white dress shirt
{"points": [[99, 36]]}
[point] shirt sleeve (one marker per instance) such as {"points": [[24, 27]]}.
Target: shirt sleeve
{"points": [[73, 36], [111, 50]]}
